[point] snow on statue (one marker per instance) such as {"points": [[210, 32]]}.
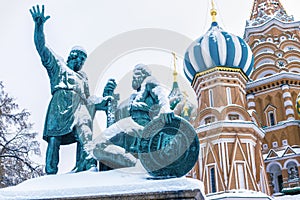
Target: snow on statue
{"points": [[70, 112], [152, 132], [161, 140], [148, 102]]}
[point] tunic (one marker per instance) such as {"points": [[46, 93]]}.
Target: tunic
{"points": [[69, 107]]}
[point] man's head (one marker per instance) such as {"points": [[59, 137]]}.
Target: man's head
{"points": [[140, 72], [76, 58]]}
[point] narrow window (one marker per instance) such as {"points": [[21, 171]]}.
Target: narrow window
{"points": [[211, 98], [241, 176], [271, 118], [213, 180], [228, 94]]}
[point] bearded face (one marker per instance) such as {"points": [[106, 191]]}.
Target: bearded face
{"points": [[76, 60], [137, 79]]}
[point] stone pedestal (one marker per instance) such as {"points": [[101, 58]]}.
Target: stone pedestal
{"points": [[163, 195], [127, 183]]}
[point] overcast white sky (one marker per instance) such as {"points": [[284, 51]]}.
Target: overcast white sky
{"points": [[91, 23]]}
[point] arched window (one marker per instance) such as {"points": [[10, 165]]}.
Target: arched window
{"points": [[275, 173], [292, 169], [210, 119], [233, 117]]}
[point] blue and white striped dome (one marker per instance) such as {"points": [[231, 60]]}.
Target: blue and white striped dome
{"points": [[217, 48]]}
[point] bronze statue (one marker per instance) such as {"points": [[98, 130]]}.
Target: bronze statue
{"points": [[167, 145], [152, 133], [70, 112]]}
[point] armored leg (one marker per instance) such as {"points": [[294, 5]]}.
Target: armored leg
{"points": [[52, 155]]}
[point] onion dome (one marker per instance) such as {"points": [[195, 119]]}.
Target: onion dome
{"points": [[217, 48]]}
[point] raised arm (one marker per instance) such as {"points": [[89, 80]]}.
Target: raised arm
{"points": [[39, 38]]}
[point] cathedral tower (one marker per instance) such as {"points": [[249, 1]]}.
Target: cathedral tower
{"points": [[274, 36], [219, 65]]}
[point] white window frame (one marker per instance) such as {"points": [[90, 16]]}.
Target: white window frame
{"points": [[241, 175], [275, 144], [211, 97], [269, 117], [208, 182], [210, 179], [234, 115], [211, 118], [265, 146], [228, 94]]}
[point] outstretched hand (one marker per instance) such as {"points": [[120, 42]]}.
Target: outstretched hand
{"points": [[38, 15]]}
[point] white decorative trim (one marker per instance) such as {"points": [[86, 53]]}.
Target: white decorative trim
{"points": [[223, 159], [207, 87], [290, 160], [286, 94], [235, 113], [289, 111], [284, 142], [251, 104], [265, 146], [295, 68], [220, 156], [267, 91], [250, 96], [265, 27], [264, 73], [249, 141], [252, 155], [220, 140], [228, 94], [202, 122], [265, 63], [268, 117], [288, 103], [273, 78], [291, 118], [282, 125], [211, 97], [285, 87], [227, 160], [232, 123], [216, 137], [275, 144], [273, 163]]}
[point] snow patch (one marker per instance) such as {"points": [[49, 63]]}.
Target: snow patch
{"points": [[121, 181]]}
